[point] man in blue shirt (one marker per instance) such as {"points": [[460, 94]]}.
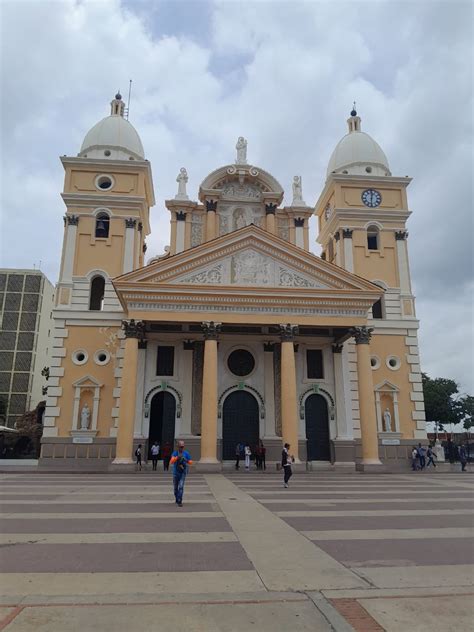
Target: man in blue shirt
{"points": [[180, 460]]}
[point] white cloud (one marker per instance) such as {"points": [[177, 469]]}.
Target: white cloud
{"points": [[282, 74]]}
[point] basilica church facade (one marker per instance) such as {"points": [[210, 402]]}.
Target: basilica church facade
{"points": [[237, 333]]}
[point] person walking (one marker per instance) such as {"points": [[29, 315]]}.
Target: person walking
{"points": [[155, 450], [138, 456], [463, 457], [430, 454], [248, 454], [256, 451], [180, 460], [238, 453], [286, 461], [166, 455]]}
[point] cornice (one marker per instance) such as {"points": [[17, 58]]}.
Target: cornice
{"points": [[343, 216]]}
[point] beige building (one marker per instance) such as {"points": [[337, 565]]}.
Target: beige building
{"points": [[238, 333], [26, 304]]}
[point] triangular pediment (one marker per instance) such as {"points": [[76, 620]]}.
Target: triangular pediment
{"points": [[250, 257]]}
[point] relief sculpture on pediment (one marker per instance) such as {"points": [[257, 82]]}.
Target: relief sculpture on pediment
{"points": [[289, 278], [210, 276], [241, 191], [251, 268]]}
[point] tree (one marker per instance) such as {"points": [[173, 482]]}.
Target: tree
{"points": [[444, 404]]}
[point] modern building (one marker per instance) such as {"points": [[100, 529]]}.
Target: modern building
{"points": [[26, 303], [238, 333]]}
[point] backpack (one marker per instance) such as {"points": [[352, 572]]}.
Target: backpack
{"points": [[138, 452], [181, 464]]}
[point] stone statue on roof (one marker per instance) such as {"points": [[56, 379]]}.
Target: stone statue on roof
{"points": [[182, 180], [241, 151]]}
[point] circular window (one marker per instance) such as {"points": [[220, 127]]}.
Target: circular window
{"points": [[104, 182], [393, 363], [107, 152], [374, 362], [101, 357], [241, 362], [80, 356]]}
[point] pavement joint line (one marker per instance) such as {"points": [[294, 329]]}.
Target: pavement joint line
{"points": [[374, 512], [330, 613], [11, 616], [157, 603], [390, 534], [109, 516]]}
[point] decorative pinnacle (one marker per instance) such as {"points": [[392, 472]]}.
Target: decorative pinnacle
{"points": [[353, 111]]}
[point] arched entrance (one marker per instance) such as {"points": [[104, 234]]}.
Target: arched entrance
{"points": [[317, 428], [162, 418], [240, 423]]}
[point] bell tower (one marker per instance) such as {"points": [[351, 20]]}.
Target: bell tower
{"points": [[108, 192], [362, 214]]}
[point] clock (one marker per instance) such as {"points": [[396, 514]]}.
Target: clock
{"points": [[371, 197]]}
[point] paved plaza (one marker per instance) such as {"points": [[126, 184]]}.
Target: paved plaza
{"points": [[338, 552]]}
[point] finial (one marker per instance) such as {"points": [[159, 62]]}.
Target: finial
{"points": [[118, 96], [241, 151], [353, 111]]}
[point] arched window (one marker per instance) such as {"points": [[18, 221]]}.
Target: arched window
{"points": [[97, 293], [102, 224], [373, 238]]}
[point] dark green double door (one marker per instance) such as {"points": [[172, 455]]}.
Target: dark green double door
{"points": [[162, 420], [240, 423], [317, 428]]}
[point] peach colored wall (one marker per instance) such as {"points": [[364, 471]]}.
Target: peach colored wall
{"points": [[103, 254], [376, 264], [83, 181], [90, 339], [383, 346]]}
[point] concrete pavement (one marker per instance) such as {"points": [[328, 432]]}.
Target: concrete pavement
{"points": [[332, 552]]}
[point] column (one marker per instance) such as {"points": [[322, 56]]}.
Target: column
{"points": [[348, 254], [337, 244], [69, 247], [270, 218], [126, 421], [341, 418], [402, 257], [129, 244], [269, 390], [368, 419], [139, 430], [209, 394], [299, 231], [211, 208], [289, 409], [180, 226]]}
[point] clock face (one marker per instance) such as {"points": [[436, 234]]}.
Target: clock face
{"points": [[371, 197]]}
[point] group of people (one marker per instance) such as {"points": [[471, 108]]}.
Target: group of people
{"points": [[155, 452], [420, 454], [244, 451]]}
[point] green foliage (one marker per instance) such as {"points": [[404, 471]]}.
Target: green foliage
{"points": [[444, 404]]}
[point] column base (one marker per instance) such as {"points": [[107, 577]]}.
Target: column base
{"points": [[371, 466], [208, 466], [123, 461]]}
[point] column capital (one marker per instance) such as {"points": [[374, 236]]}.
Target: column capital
{"points": [[270, 208], [337, 347], [181, 216], [362, 335], [211, 330], [347, 233], [211, 205], [401, 235], [288, 332], [130, 222], [72, 220], [299, 222], [268, 347], [134, 328]]}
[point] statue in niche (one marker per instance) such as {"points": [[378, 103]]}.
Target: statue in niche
{"points": [[387, 420], [241, 151], [240, 218], [85, 417], [182, 180]]}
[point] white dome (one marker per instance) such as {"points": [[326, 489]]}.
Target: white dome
{"points": [[113, 137], [357, 153]]}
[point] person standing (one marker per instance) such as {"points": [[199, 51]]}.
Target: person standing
{"points": [[414, 459], [257, 455], [166, 455], [155, 450], [463, 457], [263, 451], [238, 452], [180, 460], [286, 461], [430, 454], [138, 456], [421, 456], [248, 454]]}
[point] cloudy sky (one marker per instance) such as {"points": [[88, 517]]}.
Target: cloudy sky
{"points": [[282, 74]]}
